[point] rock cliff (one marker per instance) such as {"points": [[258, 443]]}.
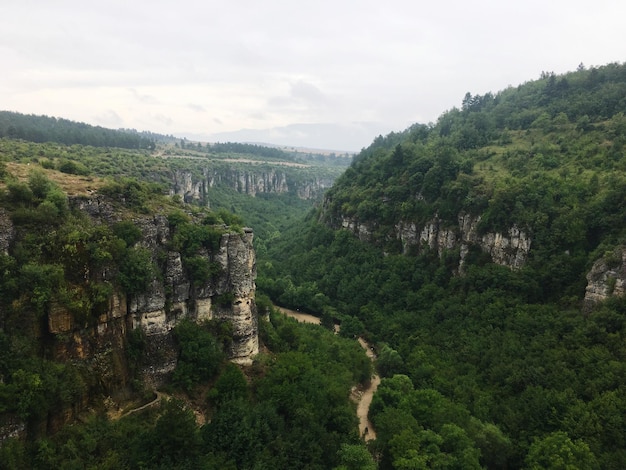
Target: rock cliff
{"points": [[128, 335], [606, 279], [194, 186], [508, 249], [7, 231], [169, 298]]}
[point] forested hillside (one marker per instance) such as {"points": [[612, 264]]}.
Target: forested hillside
{"points": [[63, 131], [468, 250]]}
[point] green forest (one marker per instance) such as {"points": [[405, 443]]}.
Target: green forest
{"points": [[63, 131], [491, 367], [483, 364]]}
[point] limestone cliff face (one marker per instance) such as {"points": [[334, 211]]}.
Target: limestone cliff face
{"points": [[508, 249], [7, 231], [606, 279], [170, 297], [194, 187]]}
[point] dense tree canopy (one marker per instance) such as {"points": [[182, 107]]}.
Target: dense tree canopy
{"points": [[49, 129]]}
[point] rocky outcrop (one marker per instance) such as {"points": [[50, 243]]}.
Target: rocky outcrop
{"points": [[194, 187], [508, 249], [171, 296], [228, 296], [11, 427], [188, 187], [7, 231], [606, 279], [113, 338]]}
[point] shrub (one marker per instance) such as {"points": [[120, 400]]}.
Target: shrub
{"points": [[126, 230], [136, 271], [73, 168]]}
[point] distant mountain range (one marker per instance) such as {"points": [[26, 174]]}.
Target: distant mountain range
{"points": [[338, 137], [315, 138]]}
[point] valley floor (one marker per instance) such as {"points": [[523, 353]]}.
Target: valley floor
{"points": [[362, 397]]}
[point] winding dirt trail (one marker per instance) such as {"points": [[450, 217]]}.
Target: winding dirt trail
{"points": [[364, 397], [366, 430], [154, 402], [115, 413]]}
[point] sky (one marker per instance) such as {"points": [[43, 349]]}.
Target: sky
{"points": [[327, 74]]}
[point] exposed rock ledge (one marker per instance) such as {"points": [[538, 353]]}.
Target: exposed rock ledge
{"points": [[508, 249], [230, 295], [253, 181], [606, 279]]}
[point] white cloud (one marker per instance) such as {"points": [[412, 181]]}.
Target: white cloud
{"points": [[256, 65], [109, 118]]}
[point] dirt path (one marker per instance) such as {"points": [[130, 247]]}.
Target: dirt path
{"points": [[154, 402], [301, 317], [114, 413], [366, 429], [364, 397]]}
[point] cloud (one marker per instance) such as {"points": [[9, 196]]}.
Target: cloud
{"points": [[349, 137], [274, 63], [109, 118], [143, 98], [302, 102], [308, 92], [168, 121], [196, 107]]}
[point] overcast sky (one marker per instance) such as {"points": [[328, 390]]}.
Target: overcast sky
{"points": [[325, 74]]}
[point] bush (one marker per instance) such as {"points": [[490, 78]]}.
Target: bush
{"points": [[20, 193], [127, 231], [230, 385], [73, 168], [39, 184], [136, 271]]}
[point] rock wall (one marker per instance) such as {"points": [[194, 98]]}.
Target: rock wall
{"points": [[170, 297], [606, 279], [508, 249], [194, 187], [7, 231], [11, 427]]}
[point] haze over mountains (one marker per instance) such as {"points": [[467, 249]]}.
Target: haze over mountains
{"points": [[339, 137]]}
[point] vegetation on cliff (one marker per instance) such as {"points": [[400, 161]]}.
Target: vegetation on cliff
{"points": [[60, 271]]}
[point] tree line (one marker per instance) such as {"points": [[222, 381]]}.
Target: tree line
{"points": [[35, 128]]}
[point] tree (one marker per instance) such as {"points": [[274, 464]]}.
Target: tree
{"points": [[200, 355], [230, 385], [351, 327], [495, 447], [175, 438], [417, 450], [557, 451], [355, 457], [127, 231], [136, 271], [389, 362], [41, 282]]}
